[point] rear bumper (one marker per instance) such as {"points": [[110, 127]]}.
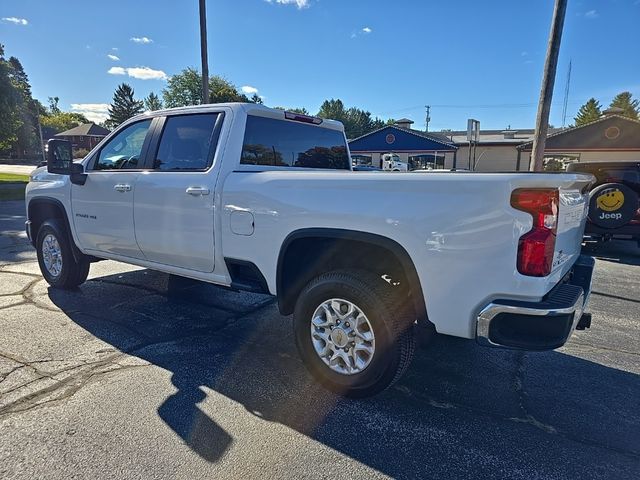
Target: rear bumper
{"points": [[543, 325]]}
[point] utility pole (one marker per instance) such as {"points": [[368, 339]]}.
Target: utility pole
{"points": [[546, 91], [428, 117], [203, 51]]}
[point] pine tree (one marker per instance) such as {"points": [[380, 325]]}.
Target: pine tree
{"points": [[153, 102], [255, 98], [589, 112], [630, 107], [124, 106]]}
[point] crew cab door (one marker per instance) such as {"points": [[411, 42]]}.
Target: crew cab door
{"points": [[174, 201], [103, 206]]}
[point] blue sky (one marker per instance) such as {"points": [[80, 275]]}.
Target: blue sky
{"points": [[480, 59]]}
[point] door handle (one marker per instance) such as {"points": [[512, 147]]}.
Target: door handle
{"points": [[122, 187], [197, 191]]}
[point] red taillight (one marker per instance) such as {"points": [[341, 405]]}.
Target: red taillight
{"points": [[536, 247]]}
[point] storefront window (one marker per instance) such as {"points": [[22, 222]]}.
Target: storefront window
{"points": [[426, 161]]}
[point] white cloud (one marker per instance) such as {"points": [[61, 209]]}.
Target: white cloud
{"points": [[95, 112], [16, 20], [146, 73], [141, 73], [141, 40], [367, 30], [591, 14], [115, 49], [249, 90], [298, 3], [117, 71], [115, 58]]}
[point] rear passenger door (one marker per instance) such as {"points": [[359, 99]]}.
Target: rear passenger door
{"points": [[174, 200]]}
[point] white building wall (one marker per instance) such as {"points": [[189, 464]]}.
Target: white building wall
{"points": [[493, 158]]}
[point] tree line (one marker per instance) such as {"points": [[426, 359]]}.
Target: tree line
{"points": [[592, 110], [184, 89]]}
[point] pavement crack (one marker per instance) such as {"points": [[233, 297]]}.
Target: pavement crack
{"points": [[67, 386], [518, 386]]}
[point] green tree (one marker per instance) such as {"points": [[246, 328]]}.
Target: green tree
{"points": [[62, 121], [9, 99], [334, 110], [628, 105], [222, 90], [124, 106], [27, 140], [302, 110], [53, 105], [184, 89], [356, 121], [255, 98], [587, 113], [153, 102]]}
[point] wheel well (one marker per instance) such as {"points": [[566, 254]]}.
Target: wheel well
{"points": [[305, 255], [42, 210]]}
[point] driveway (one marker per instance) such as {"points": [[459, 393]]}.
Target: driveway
{"points": [[134, 375]]}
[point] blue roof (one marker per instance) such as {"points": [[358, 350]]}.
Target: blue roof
{"points": [[392, 138]]}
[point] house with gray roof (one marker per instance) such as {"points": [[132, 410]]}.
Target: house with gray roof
{"points": [[85, 136]]}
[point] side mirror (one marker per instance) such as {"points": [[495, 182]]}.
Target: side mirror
{"points": [[59, 156]]}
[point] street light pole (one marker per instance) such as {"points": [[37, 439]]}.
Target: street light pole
{"points": [[203, 51], [546, 91]]}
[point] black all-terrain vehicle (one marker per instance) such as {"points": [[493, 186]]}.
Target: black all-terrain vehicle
{"points": [[614, 209]]}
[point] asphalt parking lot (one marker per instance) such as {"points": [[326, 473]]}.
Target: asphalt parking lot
{"points": [[130, 377]]}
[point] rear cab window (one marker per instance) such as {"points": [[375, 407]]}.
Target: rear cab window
{"points": [[272, 142]]}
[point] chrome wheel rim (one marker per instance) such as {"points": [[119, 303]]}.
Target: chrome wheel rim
{"points": [[342, 336], [52, 255]]}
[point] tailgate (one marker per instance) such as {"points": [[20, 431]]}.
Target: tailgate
{"points": [[572, 214]]}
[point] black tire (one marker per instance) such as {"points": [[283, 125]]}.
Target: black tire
{"points": [[72, 273], [391, 321]]}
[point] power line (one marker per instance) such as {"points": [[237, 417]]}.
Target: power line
{"points": [[483, 106]]}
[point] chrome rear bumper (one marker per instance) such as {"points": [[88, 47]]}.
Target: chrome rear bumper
{"points": [[543, 325]]}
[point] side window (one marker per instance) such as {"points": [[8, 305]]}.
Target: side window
{"points": [[123, 151], [186, 143], [284, 143]]}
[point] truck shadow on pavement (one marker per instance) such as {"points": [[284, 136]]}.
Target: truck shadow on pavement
{"points": [[461, 409]]}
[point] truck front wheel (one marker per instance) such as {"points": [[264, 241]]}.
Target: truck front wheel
{"points": [[57, 263], [352, 333]]}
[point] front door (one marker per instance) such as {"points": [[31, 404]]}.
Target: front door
{"points": [[103, 206], [174, 201]]}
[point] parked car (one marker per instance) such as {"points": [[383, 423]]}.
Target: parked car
{"points": [[264, 200], [614, 207]]}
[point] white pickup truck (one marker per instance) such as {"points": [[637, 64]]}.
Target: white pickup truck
{"points": [[264, 200]]}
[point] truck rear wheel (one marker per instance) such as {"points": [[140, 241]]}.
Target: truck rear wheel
{"points": [[57, 263], [353, 335]]}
